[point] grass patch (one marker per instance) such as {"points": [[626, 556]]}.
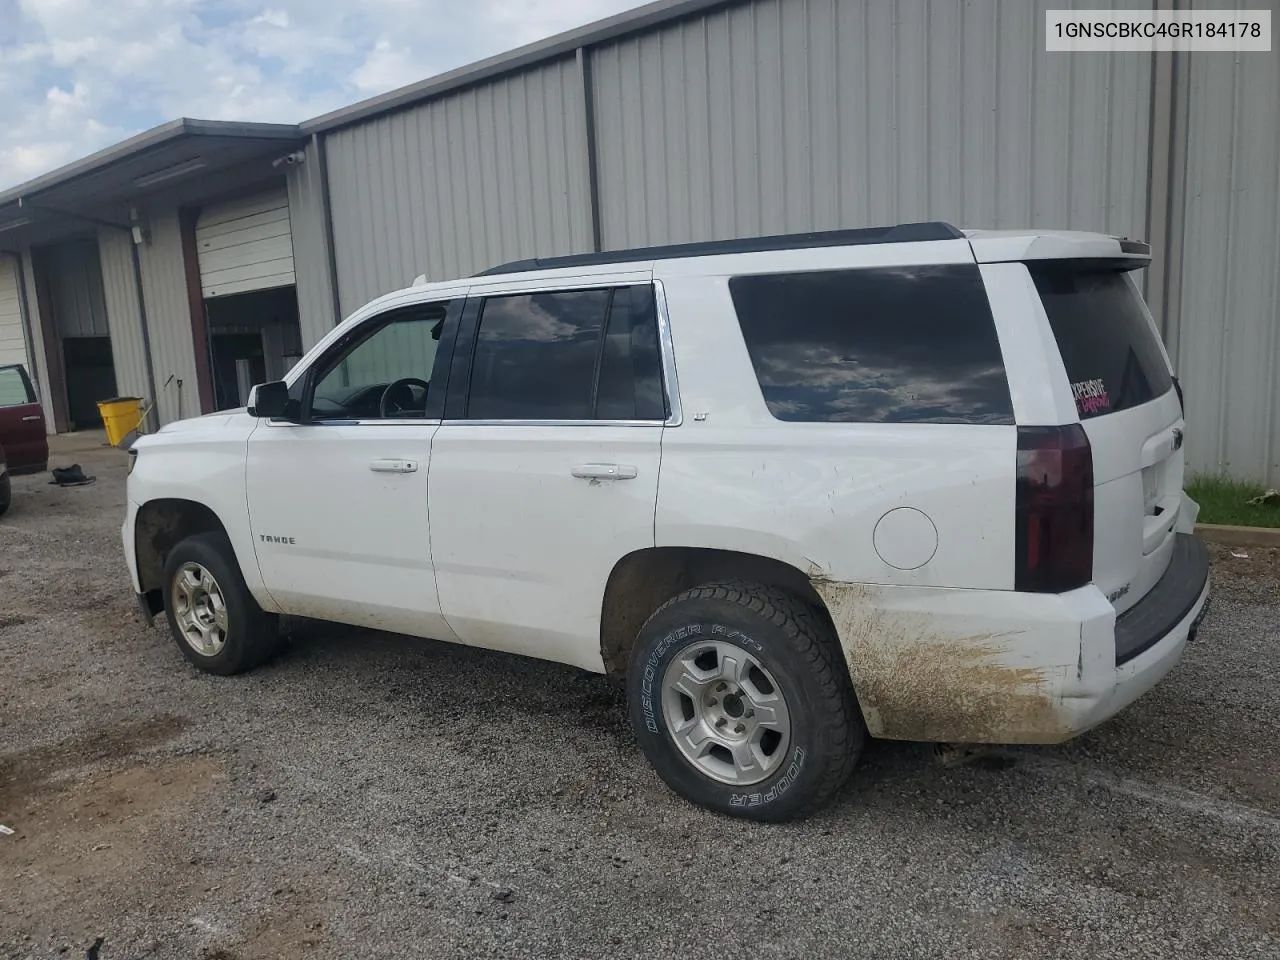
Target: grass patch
{"points": [[1226, 501]]}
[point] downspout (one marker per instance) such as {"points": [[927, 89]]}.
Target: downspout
{"points": [[1161, 150], [583, 61]]}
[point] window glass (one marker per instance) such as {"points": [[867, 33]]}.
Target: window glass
{"points": [[1108, 347], [536, 355], [13, 388], [388, 370], [887, 345], [630, 384]]}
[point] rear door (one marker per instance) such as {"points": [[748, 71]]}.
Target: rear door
{"points": [[22, 432], [1125, 397], [544, 472]]}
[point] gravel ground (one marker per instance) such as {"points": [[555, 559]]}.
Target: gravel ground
{"points": [[368, 794]]}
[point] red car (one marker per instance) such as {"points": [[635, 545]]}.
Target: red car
{"points": [[24, 446]]}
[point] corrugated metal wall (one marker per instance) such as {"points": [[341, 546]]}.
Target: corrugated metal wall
{"points": [[122, 313], [790, 115], [461, 183], [782, 115], [1224, 301], [75, 287], [164, 284], [310, 248]]}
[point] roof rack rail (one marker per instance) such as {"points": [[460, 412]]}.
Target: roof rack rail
{"points": [[901, 233]]}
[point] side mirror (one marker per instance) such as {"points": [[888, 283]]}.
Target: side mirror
{"points": [[269, 400]]}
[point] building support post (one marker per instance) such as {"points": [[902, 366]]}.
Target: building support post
{"points": [[187, 217], [326, 214], [153, 418]]}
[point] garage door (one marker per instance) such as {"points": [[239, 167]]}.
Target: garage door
{"points": [[245, 245], [12, 345]]}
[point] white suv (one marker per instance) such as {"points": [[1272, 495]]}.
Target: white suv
{"points": [[907, 482]]}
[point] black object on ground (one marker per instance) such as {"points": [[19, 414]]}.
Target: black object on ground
{"points": [[71, 476]]}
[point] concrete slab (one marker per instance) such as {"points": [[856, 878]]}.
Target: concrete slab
{"points": [[64, 445]]}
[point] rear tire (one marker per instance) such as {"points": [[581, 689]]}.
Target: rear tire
{"points": [[6, 493], [741, 700], [213, 618]]}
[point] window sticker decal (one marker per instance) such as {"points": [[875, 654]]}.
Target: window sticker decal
{"points": [[1091, 397]]}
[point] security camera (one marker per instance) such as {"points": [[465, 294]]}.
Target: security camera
{"points": [[290, 159]]}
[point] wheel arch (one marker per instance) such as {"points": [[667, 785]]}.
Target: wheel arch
{"points": [[159, 526], [643, 580]]}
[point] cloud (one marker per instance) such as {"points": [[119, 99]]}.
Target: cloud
{"points": [[78, 75], [386, 67], [273, 18]]}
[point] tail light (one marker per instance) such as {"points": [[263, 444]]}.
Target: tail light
{"points": [[1053, 529]]}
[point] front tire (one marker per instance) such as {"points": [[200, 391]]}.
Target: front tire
{"points": [[741, 700], [213, 618]]}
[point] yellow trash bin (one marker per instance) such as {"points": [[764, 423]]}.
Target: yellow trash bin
{"points": [[120, 415]]}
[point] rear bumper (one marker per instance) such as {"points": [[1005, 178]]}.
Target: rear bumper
{"points": [[1141, 672], [1167, 604], [987, 666]]}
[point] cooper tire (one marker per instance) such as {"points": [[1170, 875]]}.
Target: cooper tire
{"points": [[213, 618], [792, 675]]}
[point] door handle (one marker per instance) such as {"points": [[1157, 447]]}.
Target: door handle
{"points": [[604, 471], [394, 466], [31, 418]]}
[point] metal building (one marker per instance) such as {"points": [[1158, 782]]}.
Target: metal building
{"points": [[224, 250]]}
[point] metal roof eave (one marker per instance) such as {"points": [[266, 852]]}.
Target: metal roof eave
{"points": [[156, 136]]}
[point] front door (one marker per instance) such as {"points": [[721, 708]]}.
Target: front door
{"points": [[338, 503], [544, 472]]}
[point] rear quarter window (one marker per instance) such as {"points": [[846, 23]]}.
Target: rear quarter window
{"points": [[884, 345], [1108, 346]]}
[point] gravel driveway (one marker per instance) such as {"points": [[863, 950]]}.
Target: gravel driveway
{"points": [[372, 795]]}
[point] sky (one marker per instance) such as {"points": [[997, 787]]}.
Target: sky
{"points": [[79, 75]]}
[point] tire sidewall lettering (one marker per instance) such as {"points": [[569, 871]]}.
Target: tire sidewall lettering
{"points": [[780, 787]]}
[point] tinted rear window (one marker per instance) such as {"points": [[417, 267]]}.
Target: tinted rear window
{"points": [[886, 345], [629, 385], [1112, 357], [535, 355]]}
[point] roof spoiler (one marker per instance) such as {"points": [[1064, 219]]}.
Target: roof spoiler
{"points": [[997, 246]]}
